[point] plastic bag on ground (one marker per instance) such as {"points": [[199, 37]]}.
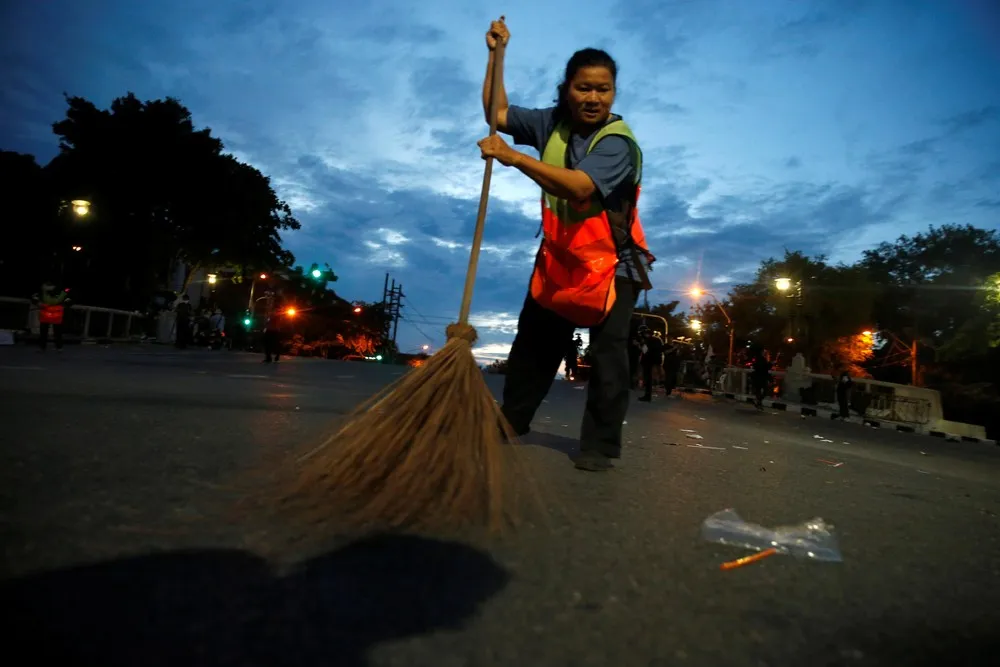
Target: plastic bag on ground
{"points": [[813, 539]]}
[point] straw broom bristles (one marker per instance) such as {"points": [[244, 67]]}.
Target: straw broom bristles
{"points": [[425, 452]]}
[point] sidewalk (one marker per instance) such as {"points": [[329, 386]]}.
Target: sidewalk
{"points": [[826, 413]]}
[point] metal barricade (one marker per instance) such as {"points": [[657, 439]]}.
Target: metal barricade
{"points": [[85, 323]]}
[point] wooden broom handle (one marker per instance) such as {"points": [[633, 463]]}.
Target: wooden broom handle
{"points": [[477, 239]]}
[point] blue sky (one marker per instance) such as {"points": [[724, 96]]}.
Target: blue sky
{"points": [[817, 125]]}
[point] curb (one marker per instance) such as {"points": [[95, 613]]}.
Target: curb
{"points": [[806, 411]]}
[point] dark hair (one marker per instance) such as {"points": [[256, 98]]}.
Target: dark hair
{"points": [[579, 60]]}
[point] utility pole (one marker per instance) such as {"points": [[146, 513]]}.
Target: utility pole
{"points": [[391, 305]]}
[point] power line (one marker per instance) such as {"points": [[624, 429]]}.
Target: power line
{"points": [[419, 330]]}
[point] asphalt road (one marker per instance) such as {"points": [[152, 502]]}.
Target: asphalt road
{"points": [[120, 468]]}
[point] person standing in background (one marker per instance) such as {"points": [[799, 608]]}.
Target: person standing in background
{"points": [[51, 310], [652, 359], [844, 385], [183, 322]]}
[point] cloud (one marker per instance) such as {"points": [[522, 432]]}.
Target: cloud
{"points": [[804, 35], [972, 119]]}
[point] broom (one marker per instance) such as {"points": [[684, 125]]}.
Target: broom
{"points": [[427, 450]]}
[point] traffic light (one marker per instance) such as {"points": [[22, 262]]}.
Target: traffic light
{"points": [[321, 275]]}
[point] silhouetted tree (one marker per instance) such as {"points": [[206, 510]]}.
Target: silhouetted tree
{"points": [[162, 192], [934, 290], [34, 235]]}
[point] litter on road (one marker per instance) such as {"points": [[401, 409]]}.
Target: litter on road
{"points": [[738, 447], [833, 464], [693, 436], [746, 560], [813, 539]]}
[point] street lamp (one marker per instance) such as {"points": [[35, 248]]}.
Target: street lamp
{"points": [[290, 312], [316, 273], [696, 325], [253, 286], [425, 347], [212, 278], [81, 207], [697, 292], [783, 284]]}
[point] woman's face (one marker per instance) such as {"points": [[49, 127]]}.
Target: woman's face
{"points": [[590, 95]]}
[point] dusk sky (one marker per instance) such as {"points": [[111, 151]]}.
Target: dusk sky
{"points": [[825, 126]]}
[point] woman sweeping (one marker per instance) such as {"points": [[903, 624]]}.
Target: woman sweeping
{"points": [[593, 259]]}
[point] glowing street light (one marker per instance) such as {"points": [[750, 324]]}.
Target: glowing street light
{"points": [[696, 325], [316, 273], [77, 248], [81, 207], [263, 276], [866, 334], [357, 309], [212, 278], [426, 347], [696, 292], [290, 312], [783, 284]]}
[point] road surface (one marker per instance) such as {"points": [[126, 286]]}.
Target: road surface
{"points": [[120, 468]]}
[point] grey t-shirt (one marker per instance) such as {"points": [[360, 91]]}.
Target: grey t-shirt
{"points": [[609, 165]]}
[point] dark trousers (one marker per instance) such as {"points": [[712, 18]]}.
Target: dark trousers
{"points": [[669, 377], [759, 385], [182, 335], [272, 345], [534, 359], [845, 405], [647, 379], [43, 334]]}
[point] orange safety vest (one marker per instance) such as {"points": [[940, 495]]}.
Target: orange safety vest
{"points": [[574, 273], [50, 314]]}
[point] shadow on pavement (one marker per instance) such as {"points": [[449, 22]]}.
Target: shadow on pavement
{"points": [[228, 607], [560, 443]]}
